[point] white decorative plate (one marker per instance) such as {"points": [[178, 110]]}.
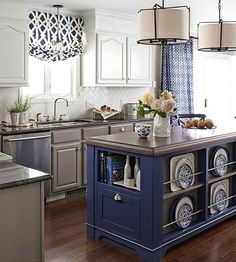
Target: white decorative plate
{"points": [[183, 211], [220, 158], [183, 170], [179, 166], [218, 196]]}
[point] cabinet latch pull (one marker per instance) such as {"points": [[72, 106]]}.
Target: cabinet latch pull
{"points": [[117, 197], [122, 129]]}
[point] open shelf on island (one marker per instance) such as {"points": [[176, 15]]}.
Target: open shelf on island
{"points": [[121, 183], [182, 191], [216, 179]]}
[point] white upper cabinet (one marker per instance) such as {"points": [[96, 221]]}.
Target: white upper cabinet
{"points": [[139, 63], [112, 57], [111, 62], [118, 61], [13, 53], [13, 44]]}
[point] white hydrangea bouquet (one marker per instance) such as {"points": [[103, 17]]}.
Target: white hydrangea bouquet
{"points": [[161, 106]]}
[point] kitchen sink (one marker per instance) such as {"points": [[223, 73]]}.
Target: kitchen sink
{"points": [[65, 123]]}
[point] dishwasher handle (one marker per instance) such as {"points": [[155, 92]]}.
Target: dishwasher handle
{"points": [[26, 138]]}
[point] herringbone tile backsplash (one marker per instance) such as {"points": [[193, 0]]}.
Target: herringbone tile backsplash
{"points": [[87, 98]]}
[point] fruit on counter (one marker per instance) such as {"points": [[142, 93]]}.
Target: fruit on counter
{"points": [[209, 123], [189, 123], [195, 122], [201, 124]]}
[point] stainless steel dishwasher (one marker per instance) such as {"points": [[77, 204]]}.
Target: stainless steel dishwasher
{"points": [[32, 150]]}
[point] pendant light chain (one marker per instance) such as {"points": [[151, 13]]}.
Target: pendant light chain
{"points": [[58, 24], [219, 6], [163, 3]]}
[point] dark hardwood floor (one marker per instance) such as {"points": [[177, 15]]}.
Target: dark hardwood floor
{"points": [[66, 239]]}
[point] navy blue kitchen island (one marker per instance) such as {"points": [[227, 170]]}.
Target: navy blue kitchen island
{"points": [[188, 184]]}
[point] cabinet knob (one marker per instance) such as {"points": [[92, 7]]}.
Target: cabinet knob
{"points": [[122, 129], [117, 197]]}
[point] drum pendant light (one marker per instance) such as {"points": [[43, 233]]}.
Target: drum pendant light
{"points": [[161, 24], [217, 36]]}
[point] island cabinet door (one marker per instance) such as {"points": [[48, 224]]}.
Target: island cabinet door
{"points": [[66, 166], [118, 212]]}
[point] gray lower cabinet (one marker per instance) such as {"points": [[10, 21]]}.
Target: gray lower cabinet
{"points": [[66, 166], [22, 223], [115, 129]]}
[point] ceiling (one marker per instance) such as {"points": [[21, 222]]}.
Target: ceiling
{"points": [[201, 10]]}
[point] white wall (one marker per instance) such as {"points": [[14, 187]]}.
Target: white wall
{"points": [[92, 97], [96, 96]]}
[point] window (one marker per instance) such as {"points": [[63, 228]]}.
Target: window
{"points": [[214, 82], [50, 80]]}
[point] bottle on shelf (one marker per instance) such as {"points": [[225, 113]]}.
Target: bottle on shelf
{"points": [[138, 180], [127, 171], [136, 170], [102, 168]]}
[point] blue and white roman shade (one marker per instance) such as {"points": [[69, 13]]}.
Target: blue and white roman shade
{"points": [[43, 32]]}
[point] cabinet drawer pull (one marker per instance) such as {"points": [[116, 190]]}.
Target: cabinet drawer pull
{"points": [[117, 197], [122, 129]]}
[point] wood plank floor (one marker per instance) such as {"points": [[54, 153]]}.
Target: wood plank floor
{"points": [[66, 239]]}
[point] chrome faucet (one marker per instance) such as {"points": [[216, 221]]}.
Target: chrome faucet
{"points": [[55, 106]]}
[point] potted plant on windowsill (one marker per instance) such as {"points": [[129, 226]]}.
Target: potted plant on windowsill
{"points": [[18, 110]]}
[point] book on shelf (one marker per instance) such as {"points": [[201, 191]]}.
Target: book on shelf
{"points": [[111, 168]]}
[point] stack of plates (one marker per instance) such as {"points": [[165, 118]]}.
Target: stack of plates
{"points": [[181, 212], [181, 169], [219, 196], [219, 157]]}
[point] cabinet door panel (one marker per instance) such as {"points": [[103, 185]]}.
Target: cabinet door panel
{"points": [[111, 50], [13, 53], [118, 216], [139, 63], [66, 166]]}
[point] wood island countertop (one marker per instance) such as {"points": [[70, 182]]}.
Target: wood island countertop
{"points": [[181, 139]]}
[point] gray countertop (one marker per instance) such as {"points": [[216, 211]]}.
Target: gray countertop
{"points": [[12, 175], [41, 128], [181, 139]]}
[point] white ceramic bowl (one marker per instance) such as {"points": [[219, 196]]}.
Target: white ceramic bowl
{"points": [[142, 130]]}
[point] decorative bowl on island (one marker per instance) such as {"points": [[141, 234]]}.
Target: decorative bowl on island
{"points": [[142, 130]]}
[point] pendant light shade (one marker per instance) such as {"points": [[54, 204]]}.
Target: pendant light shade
{"points": [[217, 36], [163, 25]]}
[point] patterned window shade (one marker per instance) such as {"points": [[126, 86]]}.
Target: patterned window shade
{"points": [[43, 32], [177, 74]]}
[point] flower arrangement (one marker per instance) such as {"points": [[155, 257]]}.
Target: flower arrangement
{"points": [[161, 106]]}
